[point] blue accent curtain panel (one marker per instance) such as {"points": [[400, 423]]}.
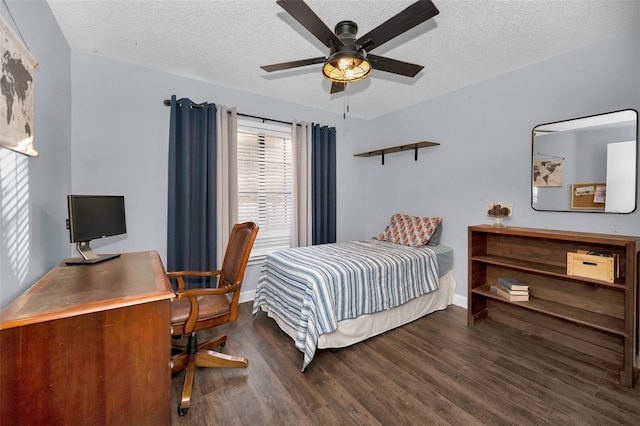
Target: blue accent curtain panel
{"points": [[191, 227]]}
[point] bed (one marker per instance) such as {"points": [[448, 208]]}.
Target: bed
{"points": [[335, 295]]}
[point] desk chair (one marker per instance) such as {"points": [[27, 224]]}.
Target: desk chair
{"points": [[198, 309]]}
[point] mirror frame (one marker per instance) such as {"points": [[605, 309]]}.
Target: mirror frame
{"points": [[590, 121]]}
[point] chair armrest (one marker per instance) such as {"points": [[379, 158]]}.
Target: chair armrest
{"points": [[192, 295], [194, 292], [194, 273], [179, 275]]}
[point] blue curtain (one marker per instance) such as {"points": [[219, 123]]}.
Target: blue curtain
{"points": [[191, 227], [323, 184]]}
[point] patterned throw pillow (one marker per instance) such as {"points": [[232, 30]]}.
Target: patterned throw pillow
{"points": [[414, 231]]}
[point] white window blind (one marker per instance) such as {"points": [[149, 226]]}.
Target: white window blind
{"points": [[265, 184]]}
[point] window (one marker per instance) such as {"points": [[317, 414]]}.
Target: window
{"points": [[265, 183]]}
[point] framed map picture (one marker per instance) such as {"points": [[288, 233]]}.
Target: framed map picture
{"points": [[17, 67], [547, 172]]}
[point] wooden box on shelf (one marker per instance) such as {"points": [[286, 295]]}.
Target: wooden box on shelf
{"points": [[590, 315], [591, 266]]}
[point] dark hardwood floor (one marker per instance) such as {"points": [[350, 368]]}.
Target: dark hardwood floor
{"points": [[434, 371]]}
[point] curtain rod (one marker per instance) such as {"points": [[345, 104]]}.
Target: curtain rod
{"points": [[167, 102]]}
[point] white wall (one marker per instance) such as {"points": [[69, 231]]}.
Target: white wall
{"points": [[485, 152], [33, 237], [120, 144]]}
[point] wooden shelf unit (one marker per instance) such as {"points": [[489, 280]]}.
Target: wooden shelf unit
{"points": [[592, 316], [410, 146]]}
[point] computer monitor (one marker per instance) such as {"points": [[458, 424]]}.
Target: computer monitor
{"points": [[92, 217]]}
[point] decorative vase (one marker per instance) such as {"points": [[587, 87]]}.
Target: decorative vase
{"points": [[497, 222]]}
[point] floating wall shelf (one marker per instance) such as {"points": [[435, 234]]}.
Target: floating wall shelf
{"points": [[414, 146]]}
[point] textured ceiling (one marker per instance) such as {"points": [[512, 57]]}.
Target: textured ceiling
{"points": [[226, 41]]}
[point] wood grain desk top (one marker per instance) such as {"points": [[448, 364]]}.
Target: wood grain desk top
{"points": [[70, 290]]}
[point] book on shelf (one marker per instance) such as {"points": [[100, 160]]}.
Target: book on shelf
{"points": [[512, 292], [513, 284], [510, 297]]}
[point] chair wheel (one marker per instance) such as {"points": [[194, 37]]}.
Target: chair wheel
{"points": [[182, 411]]}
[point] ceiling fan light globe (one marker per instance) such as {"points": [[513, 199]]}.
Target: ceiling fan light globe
{"points": [[341, 68], [346, 64]]}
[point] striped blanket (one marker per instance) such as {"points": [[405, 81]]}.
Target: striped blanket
{"points": [[312, 288]]}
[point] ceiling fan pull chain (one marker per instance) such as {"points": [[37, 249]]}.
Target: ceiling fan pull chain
{"points": [[346, 102], [345, 105]]}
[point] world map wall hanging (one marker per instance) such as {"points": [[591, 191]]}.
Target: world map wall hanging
{"points": [[17, 67], [547, 172]]}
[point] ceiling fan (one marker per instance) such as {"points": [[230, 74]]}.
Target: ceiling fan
{"points": [[349, 59]]}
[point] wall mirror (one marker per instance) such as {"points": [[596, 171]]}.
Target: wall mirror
{"points": [[586, 164]]}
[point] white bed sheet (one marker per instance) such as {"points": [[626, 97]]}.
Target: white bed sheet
{"points": [[355, 330]]}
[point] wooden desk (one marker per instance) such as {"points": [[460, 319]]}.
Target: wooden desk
{"points": [[89, 344]]}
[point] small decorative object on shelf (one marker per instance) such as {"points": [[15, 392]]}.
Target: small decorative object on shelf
{"points": [[499, 211]]}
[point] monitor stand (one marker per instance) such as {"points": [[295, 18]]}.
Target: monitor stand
{"points": [[88, 255]]}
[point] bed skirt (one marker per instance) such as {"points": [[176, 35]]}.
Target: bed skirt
{"points": [[355, 330]]}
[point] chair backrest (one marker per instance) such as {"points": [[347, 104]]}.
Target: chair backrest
{"points": [[236, 256]]}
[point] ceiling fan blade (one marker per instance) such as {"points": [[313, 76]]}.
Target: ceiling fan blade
{"points": [[293, 64], [394, 66], [413, 15], [337, 87], [307, 17]]}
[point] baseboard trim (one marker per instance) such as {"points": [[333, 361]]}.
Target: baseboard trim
{"points": [[247, 296], [460, 301]]}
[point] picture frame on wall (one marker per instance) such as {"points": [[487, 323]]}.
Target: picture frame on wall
{"points": [[547, 172], [600, 195], [590, 195], [17, 69]]}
